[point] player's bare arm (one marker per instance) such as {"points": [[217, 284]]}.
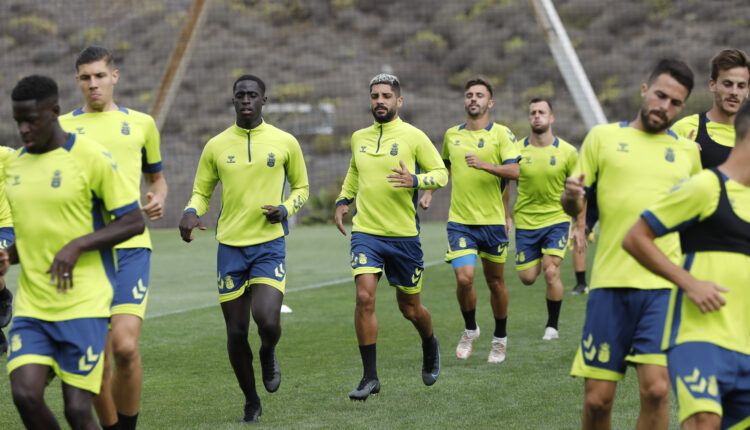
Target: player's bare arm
{"points": [[189, 222], [155, 196], [506, 171], [573, 195]]}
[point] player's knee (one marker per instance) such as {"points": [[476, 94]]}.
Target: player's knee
{"points": [[268, 321], [365, 301], [702, 420], [237, 333], [496, 284], [125, 351], [598, 404], [655, 392], [78, 414], [464, 281], [551, 272], [527, 277], [27, 399], [409, 311]]}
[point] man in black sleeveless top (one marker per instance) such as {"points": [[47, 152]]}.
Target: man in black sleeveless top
{"points": [[714, 130], [707, 333]]}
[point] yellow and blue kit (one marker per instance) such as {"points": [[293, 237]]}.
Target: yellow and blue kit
{"points": [[56, 197], [626, 170], [709, 353], [386, 225], [7, 235], [476, 219], [253, 167], [541, 224], [716, 139]]}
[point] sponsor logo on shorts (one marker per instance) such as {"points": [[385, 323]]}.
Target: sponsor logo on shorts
{"points": [[227, 283], [462, 242], [279, 271], [139, 290], [362, 258], [417, 274]]}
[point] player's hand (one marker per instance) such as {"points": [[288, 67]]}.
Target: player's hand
{"points": [[401, 178], [4, 262], [61, 270], [706, 295], [338, 217], [188, 222], [274, 214], [574, 187], [580, 241], [154, 208], [425, 201], [473, 161]]}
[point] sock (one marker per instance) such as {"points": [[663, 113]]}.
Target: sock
{"points": [[470, 320], [114, 426], [369, 361], [581, 277], [500, 324], [553, 312], [126, 422]]}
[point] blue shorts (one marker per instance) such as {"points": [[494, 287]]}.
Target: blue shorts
{"points": [[709, 378], [622, 325], [72, 348], [489, 241], [532, 244], [400, 257], [131, 289], [240, 267], [7, 237]]}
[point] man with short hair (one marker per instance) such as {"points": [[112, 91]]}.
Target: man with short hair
{"points": [[542, 226], [706, 335], [63, 189], [481, 156], [625, 167], [253, 160], [133, 139], [714, 130], [385, 232]]}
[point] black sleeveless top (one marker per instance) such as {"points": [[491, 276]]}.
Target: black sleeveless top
{"points": [[722, 231], [712, 153]]}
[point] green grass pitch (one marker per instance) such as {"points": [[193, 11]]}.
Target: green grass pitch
{"points": [[189, 383]]}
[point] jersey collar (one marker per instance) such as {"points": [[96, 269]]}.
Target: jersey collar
{"points": [[488, 128], [244, 131], [396, 122]]}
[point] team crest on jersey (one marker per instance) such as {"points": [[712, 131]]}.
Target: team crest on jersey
{"points": [[394, 149], [56, 179], [669, 155], [462, 242], [80, 130], [15, 343], [271, 160], [125, 129], [622, 147], [481, 143], [552, 160]]}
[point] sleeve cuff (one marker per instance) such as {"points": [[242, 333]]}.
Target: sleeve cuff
{"points": [[512, 160], [190, 210], [125, 209], [152, 168], [414, 181], [284, 211], [344, 201], [656, 225]]}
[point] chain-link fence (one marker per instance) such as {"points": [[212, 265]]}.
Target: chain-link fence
{"points": [[317, 57]]}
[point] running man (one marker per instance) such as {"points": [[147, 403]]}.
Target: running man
{"points": [[481, 156], [625, 167], [542, 227], [253, 160], [63, 189], [707, 332], [714, 130], [7, 237], [385, 232]]}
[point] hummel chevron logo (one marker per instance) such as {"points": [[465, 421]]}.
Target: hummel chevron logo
{"points": [[279, 271], [417, 274], [139, 291], [87, 361], [589, 350]]}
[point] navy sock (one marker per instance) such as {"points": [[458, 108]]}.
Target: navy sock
{"points": [[369, 361], [470, 320], [126, 422], [581, 277], [500, 327], [553, 312]]}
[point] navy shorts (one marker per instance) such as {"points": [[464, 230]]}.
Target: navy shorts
{"points": [[399, 257]]}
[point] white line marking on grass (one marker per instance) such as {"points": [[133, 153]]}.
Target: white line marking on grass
{"points": [[291, 290]]}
